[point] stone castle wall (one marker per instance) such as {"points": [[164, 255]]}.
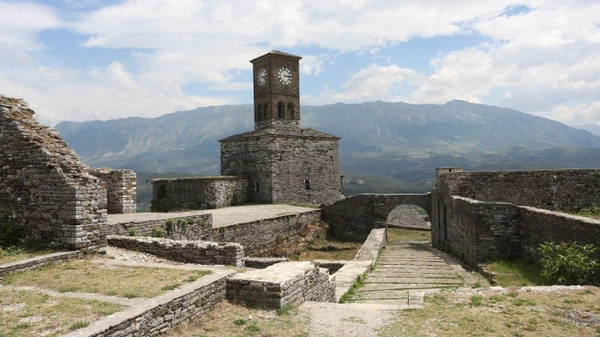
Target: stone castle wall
{"points": [[198, 193], [120, 189], [44, 186], [566, 190], [481, 216]]}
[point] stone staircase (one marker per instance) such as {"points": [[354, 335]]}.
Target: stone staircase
{"points": [[406, 271]]}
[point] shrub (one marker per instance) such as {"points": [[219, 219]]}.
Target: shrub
{"points": [[569, 263], [169, 226], [157, 233]]}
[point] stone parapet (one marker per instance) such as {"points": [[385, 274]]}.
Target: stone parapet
{"points": [[199, 252], [191, 227], [285, 283]]}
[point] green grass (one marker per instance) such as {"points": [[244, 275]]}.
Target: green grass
{"points": [[514, 273], [399, 235]]}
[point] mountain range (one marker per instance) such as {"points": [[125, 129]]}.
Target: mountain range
{"points": [[385, 147]]}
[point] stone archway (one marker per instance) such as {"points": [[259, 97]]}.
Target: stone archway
{"points": [[408, 216]]}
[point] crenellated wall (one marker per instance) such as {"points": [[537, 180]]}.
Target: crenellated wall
{"points": [[43, 185]]}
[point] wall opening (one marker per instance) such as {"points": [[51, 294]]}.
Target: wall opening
{"points": [[162, 192], [307, 184], [280, 111], [408, 216], [291, 111], [256, 187], [266, 111]]}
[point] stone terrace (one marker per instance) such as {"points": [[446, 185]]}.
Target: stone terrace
{"points": [[222, 217]]}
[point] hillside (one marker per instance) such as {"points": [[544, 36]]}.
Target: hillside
{"points": [[384, 146]]}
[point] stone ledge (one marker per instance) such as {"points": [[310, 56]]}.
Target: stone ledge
{"points": [[199, 252], [263, 262], [285, 283], [361, 264], [158, 315], [36, 262]]}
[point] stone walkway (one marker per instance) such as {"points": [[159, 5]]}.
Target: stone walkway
{"points": [[405, 272]]}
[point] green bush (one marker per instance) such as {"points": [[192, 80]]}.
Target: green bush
{"points": [[569, 263]]}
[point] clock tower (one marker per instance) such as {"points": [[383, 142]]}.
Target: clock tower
{"points": [[276, 90]]}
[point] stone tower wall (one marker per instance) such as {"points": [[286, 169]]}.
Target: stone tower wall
{"points": [[249, 157], [120, 189], [306, 170], [44, 186]]}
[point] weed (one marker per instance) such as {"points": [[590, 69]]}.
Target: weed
{"points": [[132, 232], [239, 321], [285, 310], [253, 327], [131, 295], [169, 227], [157, 233], [170, 286], [476, 301], [191, 278], [79, 325]]}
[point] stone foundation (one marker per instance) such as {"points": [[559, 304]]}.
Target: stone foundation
{"points": [[285, 283], [199, 252]]}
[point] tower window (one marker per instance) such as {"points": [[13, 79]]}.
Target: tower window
{"points": [[280, 111], [266, 111], [258, 112], [256, 187], [307, 184], [291, 111]]}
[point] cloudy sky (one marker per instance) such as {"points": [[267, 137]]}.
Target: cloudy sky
{"points": [[105, 59]]}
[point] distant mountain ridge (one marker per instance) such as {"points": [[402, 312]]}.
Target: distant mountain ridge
{"points": [[400, 141]]}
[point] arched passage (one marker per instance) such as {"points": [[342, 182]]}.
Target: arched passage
{"points": [[408, 216]]}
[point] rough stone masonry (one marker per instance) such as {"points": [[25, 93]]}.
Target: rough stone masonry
{"points": [[43, 185]]}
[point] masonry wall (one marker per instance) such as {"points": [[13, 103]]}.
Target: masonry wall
{"points": [[44, 186], [261, 237], [200, 252], [354, 217], [120, 189], [566, 190], [290, 166], [198, 193], [191, 227], [538, 226]]}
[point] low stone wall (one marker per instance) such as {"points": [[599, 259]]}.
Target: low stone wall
{"points": [[120, 189], [209, 192], [361, 264], [160, 314], [200, 252], [353, 218], [263, 262], [285, 283], [262, 236], [539, 226], [192, 227], [36, 262]]}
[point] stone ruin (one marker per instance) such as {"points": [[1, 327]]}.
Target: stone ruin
{"points": [[45, 188]]}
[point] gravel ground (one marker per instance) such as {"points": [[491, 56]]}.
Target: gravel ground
{"points": [[348, 320]]}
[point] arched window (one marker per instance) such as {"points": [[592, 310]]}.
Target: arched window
{"points": [[258, 113], [280, 111], [307, 184], [291, 111], [266, 111]]}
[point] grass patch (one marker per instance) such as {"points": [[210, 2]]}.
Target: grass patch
{"points": [[87, 276], [14, 253], [514, 273], [328, 250], [28, 313], [448, 314], [232, 320], [399, 235]]}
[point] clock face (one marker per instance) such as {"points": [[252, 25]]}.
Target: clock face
{"points": [[284, 75], [261, 77]]}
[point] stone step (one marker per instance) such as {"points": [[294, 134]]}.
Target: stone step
{"points": [[401, 280], [407, 286]]}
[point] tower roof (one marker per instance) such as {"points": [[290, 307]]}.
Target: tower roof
{"points": [[276, 52]]}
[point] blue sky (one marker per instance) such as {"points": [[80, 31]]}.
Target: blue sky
{"points": [[99, 59]]}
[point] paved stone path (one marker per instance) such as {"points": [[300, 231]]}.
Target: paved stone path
{"points": [[405, 272]]}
